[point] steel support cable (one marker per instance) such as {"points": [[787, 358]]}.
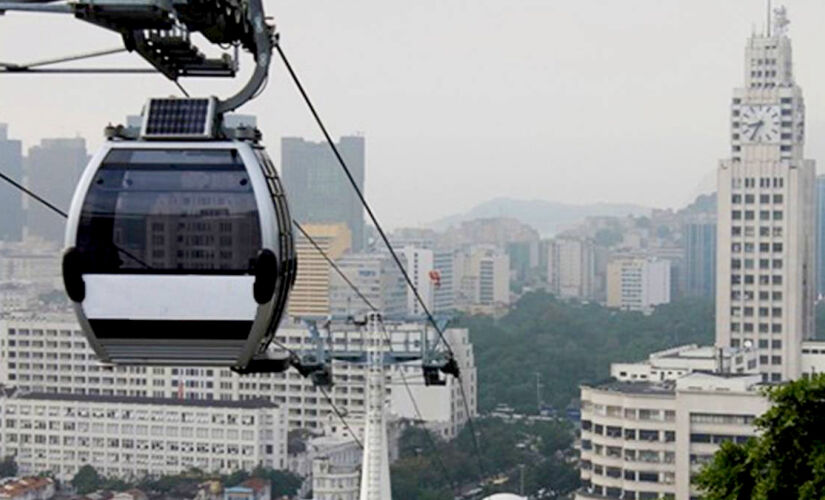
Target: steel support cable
{"points": [[334, 265], [386, 241], [63, 214], [340, 416], [369, 304], [360, 195]]}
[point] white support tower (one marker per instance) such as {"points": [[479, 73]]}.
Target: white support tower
{"points": [[375, 468]]}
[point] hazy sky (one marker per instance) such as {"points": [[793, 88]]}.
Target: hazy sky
{"points": [[464, 100]]}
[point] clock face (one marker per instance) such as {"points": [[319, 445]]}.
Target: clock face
{"points": [[759, 124]]}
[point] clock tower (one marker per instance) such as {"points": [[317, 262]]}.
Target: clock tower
{"points": [[766, 226]]}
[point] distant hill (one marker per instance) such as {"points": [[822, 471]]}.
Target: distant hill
{"points": [[547, 217]]}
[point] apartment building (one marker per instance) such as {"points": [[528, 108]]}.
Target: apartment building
{"points": [[310, 294], [49, 354], [132, 437], [571, 268], [637, 283], [645, 432]]}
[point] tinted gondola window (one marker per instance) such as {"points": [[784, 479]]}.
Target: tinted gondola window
{"points": [[175, 211]]}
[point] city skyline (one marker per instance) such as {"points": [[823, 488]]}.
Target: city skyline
{"points": [[423, 127]]}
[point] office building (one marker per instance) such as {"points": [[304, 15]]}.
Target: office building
{"points": [[645, 440], [377, 277], [524, 259], [820, 236], [571, 268], [319, 191], [310, 294], [649, 429], [444, 292], [419, 264], [11, 200], [52, 170], [699, 233], [49, 354], [766, 228], [130, 437], [637, 283], [482, 280]]}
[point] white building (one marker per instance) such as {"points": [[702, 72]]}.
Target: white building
{"points": [[482, 279], [376, 276], [50, 354], [444, 291], [766, 229], [646, 432], [32, 262], [638, 283], [331, 481], [571, 268], [132, 437], [419, 262], [442, 407]]}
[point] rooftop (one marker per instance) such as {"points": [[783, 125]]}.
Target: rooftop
{"points": [[204, 403], [643, 387]]}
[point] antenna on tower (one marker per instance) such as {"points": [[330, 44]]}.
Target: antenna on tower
{"points": [[769, 18]]}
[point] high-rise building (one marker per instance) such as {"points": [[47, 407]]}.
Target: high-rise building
{"points": [[319, 191], [699, 233], [638, 283], [482, 279], [419, 262], [11, 201], [820, 235], [765, 284], [571, 272], [379, 280], [52, 170], [310, 294], [444, 286], [524, 258]]}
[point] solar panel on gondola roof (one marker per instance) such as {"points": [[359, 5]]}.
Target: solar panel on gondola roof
{"points": [[179, 118]]}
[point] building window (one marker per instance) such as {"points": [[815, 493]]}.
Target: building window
{"points": [[649, 477]]}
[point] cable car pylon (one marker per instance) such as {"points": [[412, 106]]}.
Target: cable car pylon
{"points": [[375, 468]]}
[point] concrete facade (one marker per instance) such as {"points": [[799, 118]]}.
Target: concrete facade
{"points": [[637, 283]]}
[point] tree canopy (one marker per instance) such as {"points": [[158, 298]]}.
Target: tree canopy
{"points": [[87, 480], [568, 343], [542, 447], [8, 467], [786, 460]]}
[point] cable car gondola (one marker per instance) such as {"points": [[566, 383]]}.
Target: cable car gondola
{"points": [[179, 245]]}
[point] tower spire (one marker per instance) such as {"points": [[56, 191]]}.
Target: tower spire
{"points": [[769, 18]]}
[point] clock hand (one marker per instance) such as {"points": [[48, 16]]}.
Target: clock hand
{"points": [[756, 129]]}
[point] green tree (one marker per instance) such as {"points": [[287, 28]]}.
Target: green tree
{"points": [[570, 343], [283, 483], [8, 467], [786, 460], [86, 480]]}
